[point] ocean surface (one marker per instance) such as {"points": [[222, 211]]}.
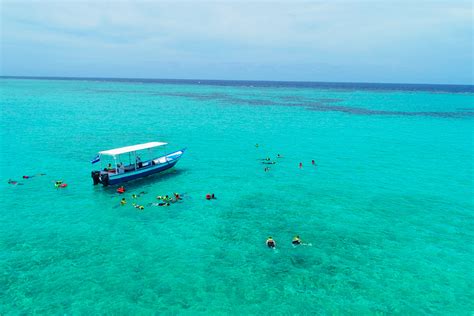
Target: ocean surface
{"points": [[386, 214]]}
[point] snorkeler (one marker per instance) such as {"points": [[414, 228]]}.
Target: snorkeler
{"points": [[160, 204], [29, 177], [13, 182], [210, 196], [296, 240], [140, 207], [59, 184], [270, 242]]}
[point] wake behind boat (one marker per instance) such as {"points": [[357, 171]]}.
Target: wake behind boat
{"points": [[117, 172]]}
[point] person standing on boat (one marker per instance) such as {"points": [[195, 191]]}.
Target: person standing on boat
{"points": [[121, 168], [139, 162]]}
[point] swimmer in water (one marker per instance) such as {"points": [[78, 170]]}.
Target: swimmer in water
{"points": [[140, 207], [29, 177], [167, 198], [279, 156], [160, 204], [296, 241], [13, 182], [210, 196], [123, 201], [270, 242]]}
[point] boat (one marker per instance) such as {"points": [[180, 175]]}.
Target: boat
{"points": [[116, 172]]}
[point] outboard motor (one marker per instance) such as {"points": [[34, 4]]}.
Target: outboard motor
{"points": [[95, 177], [104, 178]]}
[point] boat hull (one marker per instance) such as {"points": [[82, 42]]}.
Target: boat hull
{"points": [[137, 175]]}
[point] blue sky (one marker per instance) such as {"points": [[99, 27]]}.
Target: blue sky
{"points": [[348, 41]]}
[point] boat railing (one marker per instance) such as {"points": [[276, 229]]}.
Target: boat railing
{"points": [[145, 165]]}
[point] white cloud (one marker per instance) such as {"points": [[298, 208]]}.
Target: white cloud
{"points": [[370, 32]]}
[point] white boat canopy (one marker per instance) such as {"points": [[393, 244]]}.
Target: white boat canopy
{"points": [[123, 150]]}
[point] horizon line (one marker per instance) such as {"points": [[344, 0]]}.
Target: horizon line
{"points": [[228, 80]]}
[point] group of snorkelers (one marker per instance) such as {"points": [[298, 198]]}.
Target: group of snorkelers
{"points": [[271, 243], [123, 201], [165, 200], [58, 184], [135, 205], [312, 162], [268, 161]]}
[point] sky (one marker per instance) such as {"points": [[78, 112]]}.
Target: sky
{"points": [[335, 41]]}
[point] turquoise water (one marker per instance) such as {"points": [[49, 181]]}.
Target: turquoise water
{"points": [[388, 209]]}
